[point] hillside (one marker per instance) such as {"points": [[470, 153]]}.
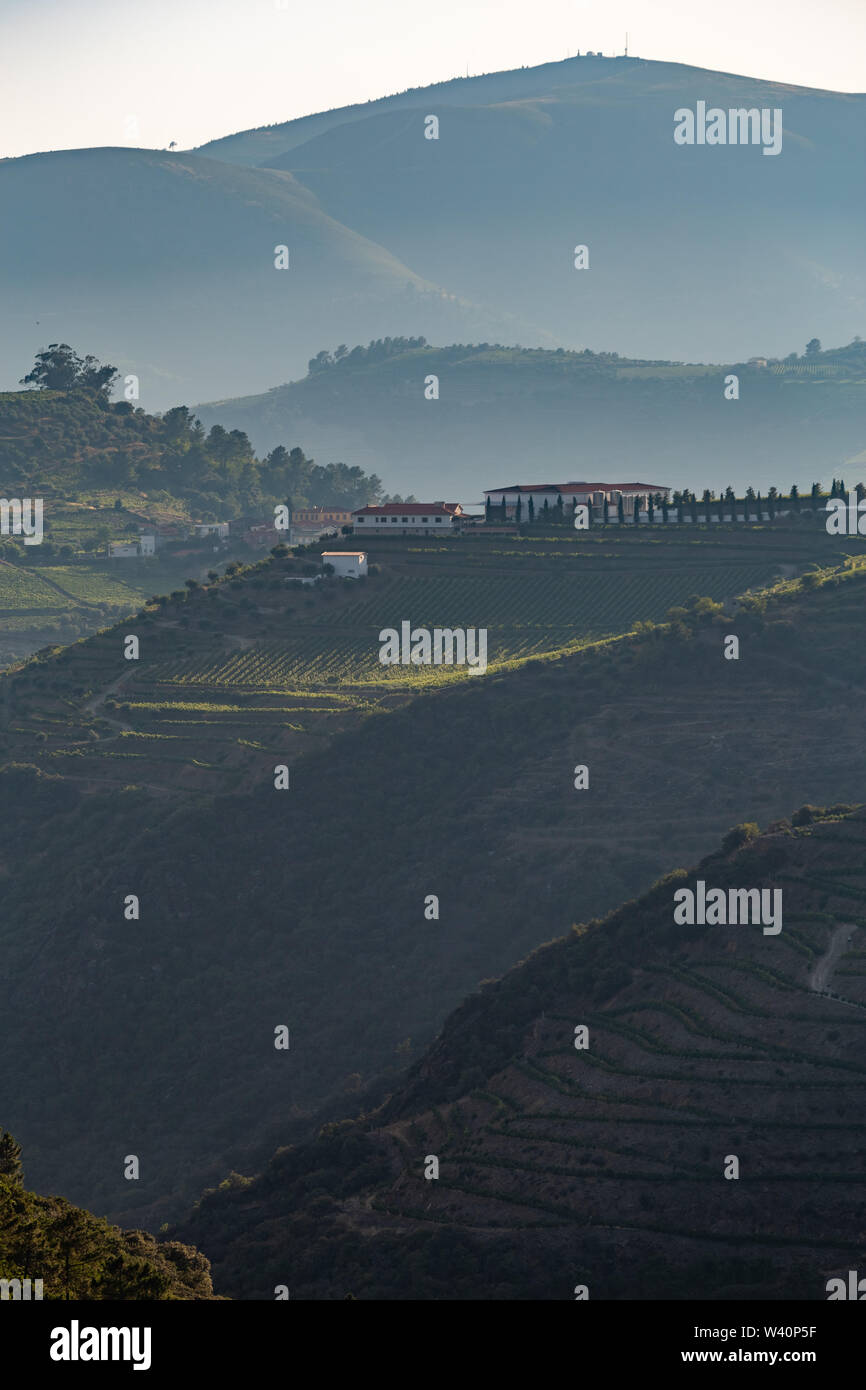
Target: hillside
{"points": [[583, 413], [604, 1165], [78, 1256], [107, 472], [590, 142], [466, 238], [260, 908], [206, 311]]}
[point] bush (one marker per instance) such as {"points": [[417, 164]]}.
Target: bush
{"points": [[739, 835]]}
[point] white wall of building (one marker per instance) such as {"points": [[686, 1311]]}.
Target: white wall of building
{"points": [[347, 565]]}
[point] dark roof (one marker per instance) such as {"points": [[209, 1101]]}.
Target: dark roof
{"points": [[579, 487]]}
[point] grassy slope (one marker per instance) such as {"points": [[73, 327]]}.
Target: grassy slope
{"points": [[605, 1166], [260, 908]]}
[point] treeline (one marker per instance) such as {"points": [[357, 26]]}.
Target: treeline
{"points": [[751, 507], [67, 433], [78, 1255]]}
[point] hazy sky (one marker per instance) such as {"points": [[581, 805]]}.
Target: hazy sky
{"points": [[93, 72]]}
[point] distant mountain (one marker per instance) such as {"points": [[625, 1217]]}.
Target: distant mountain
{"points": [[640, 1110], [164, 262], [164, 265], [694, 250], [504, 415]]}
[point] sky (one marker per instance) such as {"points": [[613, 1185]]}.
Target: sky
{"points": [[78, 73]]}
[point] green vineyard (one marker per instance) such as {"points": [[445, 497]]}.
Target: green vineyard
{"points": [[525, 615]]}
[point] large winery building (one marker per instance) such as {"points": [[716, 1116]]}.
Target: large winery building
{"points": [[591, 493]]}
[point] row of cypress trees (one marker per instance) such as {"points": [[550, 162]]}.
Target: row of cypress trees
{"points": [[753, 505]]}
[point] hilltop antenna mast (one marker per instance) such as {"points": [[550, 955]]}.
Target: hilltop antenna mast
{"points": [[626, 45]]}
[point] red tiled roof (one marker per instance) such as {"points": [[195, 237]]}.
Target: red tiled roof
{"points": [[355, 554], [409, 509]]}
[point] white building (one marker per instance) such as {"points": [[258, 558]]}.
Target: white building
{"points": [[348, 564], [408, 518], [123, 550], [212, 528], [147, 545], [593, 494]]}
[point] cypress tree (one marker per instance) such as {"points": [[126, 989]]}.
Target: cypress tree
{"points": [[531, 509], [620, 511], [10, 1158], [518, 510]]}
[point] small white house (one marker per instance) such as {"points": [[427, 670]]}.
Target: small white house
{"points": [[348, 564], [122, 550], [147, 545], [212, 528]]}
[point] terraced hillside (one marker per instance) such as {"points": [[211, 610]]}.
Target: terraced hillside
{"points": [[605, 1160], [305, 907], [262, 664]]}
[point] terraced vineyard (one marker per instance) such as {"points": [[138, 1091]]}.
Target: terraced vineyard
{"points": [[609, 1163], [526, 613]]}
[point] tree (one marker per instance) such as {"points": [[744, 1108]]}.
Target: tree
{"points": [[650, 507], [813, 347], [518, 510], [637, 504], [545, 517], [664, 509], [10, 1158], [559, 508], [58, 368], [795, 497], [531, 509], [708, 497], [620, 511], [488, 509], [816, 496]]}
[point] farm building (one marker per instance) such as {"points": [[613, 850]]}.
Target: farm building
{"points": [[408, 518], [212, 528], [131, 550], [592, 494], [321, 516], [347, 564]]}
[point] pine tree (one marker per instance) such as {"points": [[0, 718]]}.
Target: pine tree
{"points": [[518, 510], [795, 498], [10, 1158], [606, 511], [620, 511], [488, 509], [559, 511], [816, 496], [545, 512], [650, 509], [531, 509], [637, 511]]}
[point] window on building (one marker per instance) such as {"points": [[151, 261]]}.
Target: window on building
{"points": [[404, 518], [361, 518], [423, 521], [438, 521]]}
